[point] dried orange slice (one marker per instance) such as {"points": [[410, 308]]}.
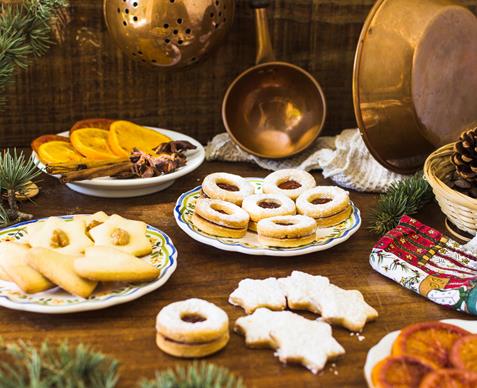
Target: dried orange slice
{"points": [[400, 371], [92, 143], [124, 136], [36, 143], [450, 378], [431, 341], [58, 151], [92, 123], [463, 354]]}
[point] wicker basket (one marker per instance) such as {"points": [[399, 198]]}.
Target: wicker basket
{"points": [[460, 209]]}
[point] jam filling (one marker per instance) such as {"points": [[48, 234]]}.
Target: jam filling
{"points": [[289, 185], [192, 318], [284, 223], [228, 187], [219, 210], [268, 205], [321, 201]]}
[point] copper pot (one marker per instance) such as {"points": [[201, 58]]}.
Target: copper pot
{"points": [[415, 79], [274, 109]]}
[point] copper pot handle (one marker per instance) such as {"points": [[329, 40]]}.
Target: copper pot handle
{"points": [[264, 43]]}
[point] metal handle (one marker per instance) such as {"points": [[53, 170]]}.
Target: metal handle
{"points": [[264, 43]]}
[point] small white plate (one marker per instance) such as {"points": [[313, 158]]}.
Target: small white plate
{"points": [[249, 244], [108, 187], [383, 348], [57, 301]]}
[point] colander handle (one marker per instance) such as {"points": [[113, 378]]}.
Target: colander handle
{"points": [[264, 43]]}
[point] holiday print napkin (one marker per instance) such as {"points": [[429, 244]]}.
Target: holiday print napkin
{"points": [[425, 261]]}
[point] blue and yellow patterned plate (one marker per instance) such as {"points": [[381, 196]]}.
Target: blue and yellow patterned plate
{"points": [[57, 301], [249, 244]]}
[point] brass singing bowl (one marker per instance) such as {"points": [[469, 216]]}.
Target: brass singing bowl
{"points": [[415, 79], [168, 33], [274, 109]]}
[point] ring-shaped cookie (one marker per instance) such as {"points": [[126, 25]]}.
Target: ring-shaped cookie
{"points": [[323, 201], [179, 349], [283, 227], [260, 206], [227, 187], [291, 182], [192, 321], [222, 213]]}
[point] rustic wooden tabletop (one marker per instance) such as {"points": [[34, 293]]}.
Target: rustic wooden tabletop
{"points": [[127, 331]]}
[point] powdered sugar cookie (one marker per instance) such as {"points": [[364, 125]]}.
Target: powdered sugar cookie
{"points": [[286, 231], [252, 294], [92, 220], [290, 182], [227, 187]]}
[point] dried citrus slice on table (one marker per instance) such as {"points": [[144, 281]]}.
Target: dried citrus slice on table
{"points": [[92, 143], [92, 123], [431, 341], [463, 354], [124, 136], [450, 378], [58, 151], [400, 371]]}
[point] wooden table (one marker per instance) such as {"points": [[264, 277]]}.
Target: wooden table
{"points": [[127, 331]]}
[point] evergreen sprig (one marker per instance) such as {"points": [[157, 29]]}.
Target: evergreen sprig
{"points": [[404, 197], [196, 375], [25, 32], [25, 366]]}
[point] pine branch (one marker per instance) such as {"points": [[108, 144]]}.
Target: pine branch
{"points": [[196, 375], [25, 31], [405, 197]]}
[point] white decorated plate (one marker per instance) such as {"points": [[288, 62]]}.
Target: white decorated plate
{"points": [[249, 244], [108, 187], [383, 348], [57, 301]]}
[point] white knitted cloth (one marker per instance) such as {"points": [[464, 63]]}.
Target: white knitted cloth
{"points": [[343, 158]]}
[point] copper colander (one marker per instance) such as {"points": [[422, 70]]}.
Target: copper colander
{"points": [[168, 33]]}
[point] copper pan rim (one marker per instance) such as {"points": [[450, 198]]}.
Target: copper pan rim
{"points": [[254, 68]]}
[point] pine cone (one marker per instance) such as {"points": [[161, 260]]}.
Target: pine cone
{"points": [[465, 156]]}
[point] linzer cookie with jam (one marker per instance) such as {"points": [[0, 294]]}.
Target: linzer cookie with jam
{"points": [[290, 182], [286, 231], [227, 187]]}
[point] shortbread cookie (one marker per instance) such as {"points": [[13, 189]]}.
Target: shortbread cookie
{"points": [[59, 268], [108, 264], [126, 235], [4, 276], [227, 187], [220, 218], [192, 328], [290, 182], [64, 236], [252, 294], [286, 231], [346, 308], [13, 261], [261, 206], [295, 339], [92, 220], [300, 288], [328, 205]]}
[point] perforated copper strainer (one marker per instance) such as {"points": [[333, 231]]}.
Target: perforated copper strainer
{"points": [[168, 33]]}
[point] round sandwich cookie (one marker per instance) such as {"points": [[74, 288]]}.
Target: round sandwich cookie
{"points": [[220, 218], [261, 206], [290, 182], [192, 328], [287, 231], [227, 187], [328, 205]]}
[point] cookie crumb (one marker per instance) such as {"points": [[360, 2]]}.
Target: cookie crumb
{"points": [[361, 338]]}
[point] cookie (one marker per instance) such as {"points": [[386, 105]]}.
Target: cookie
{"points": [[126, 235], [294, 338], [59, 269], [13, 262], [112, 265], [64, 236], [261, 206], [92, 220], [220, 218], [286, 231], [227, 187], [192, 328], [252, 294], [300, 288], [290, 182]]}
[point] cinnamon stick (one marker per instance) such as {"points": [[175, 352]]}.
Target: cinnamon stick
{"points": [[96, 172]]}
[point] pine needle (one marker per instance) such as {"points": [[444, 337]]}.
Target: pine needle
{"points": [[405, 197], [16, 170], [196, 375]]}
